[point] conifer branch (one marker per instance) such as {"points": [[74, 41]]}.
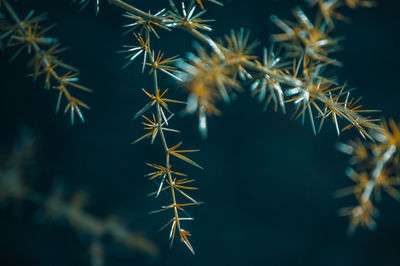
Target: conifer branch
{"points": [[27, 33]]}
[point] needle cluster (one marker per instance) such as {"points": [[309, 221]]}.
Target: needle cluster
{"points": [[29, 35], [224, 67], [374, 168]]}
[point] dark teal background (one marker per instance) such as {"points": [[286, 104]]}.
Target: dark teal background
{"points": [[267, 185]]}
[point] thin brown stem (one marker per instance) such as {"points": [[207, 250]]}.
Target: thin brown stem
{"points": [[161, 130], [135, 10]]}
